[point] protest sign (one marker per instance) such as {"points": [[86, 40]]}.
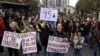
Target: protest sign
{"points": [[57, 45], [29, 42], [11, 39], [48, 14]]}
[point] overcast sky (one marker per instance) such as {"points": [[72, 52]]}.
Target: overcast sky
{"points": [[73, 2]]}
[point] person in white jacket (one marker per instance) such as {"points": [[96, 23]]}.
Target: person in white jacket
{"points": [[78, 42]]}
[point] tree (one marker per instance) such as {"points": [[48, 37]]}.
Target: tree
{"points": [[84, 6], [34, 4], [88, 6]]}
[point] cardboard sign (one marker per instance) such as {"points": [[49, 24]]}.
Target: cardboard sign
{"points": [[57, 45], [11, 39], [29, 42], [48, 14]]}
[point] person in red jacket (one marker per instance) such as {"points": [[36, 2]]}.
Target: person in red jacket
{"points": [[2, 29]]}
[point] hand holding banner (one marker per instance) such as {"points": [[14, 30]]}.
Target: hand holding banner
{"points": [[29, 42], [11, 39], [57, 45], [48, 14]]}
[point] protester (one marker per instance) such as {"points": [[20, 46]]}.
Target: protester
{"points": [[91, 35], [44, 28], [96, 38], [66, 24], [32, 28], [2, 29], [78, 42], [86, 32], [59, 33], [13, 28]]}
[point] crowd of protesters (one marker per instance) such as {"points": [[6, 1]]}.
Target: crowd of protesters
{"points": [[74, 28]]}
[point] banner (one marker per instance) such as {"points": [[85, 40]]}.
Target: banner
{"points": [[11, 39], [29, 42], [48, 14], [57, 45]]}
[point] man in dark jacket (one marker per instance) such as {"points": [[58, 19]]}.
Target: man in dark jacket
{"points": [[2, 29], [97, 40], [44, 35], [95, 35], [86, 32]]}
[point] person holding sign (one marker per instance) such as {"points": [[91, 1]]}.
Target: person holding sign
{"points": [[59, 33], [32, 28], [13, 28]]}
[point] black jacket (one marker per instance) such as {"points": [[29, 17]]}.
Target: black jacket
{"points": [[44, 35], [60, 34]]}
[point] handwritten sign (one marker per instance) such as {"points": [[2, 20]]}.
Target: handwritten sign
{"points": [[11, 39], [57, 45], [48, 14], [29, 42]]}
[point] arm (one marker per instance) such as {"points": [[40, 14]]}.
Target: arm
{"points": [[75, 40], [26, 24], [82, 40]]}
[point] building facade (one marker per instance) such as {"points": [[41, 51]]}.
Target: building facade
{"points": [[56, 3], [62, 5]]}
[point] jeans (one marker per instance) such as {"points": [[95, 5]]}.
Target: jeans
{"points": [[96, 48], [56, 54], [44, 50], [52, 24], [77, 52], [30, 54], [86, 39]]}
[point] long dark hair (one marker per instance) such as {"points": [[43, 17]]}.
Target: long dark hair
{"points": [[62, 26]]}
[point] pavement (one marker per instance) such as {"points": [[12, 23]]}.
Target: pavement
{"points": [[86, 51]]}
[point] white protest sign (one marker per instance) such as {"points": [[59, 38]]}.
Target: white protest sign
{"points": [[29, 42], [11, 39], [48, 14], [57, 45]]}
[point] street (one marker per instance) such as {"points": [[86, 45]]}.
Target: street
{"points": [[86, 51]]}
